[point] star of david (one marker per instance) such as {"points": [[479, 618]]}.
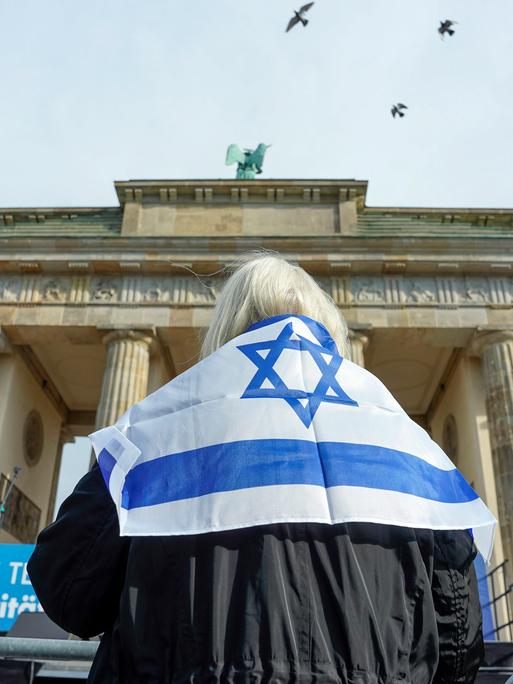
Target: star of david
{"points": [[305, 404]]}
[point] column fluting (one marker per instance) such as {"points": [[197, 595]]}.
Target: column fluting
{"points": [[358, 342], [125, 379], [496, 352]]}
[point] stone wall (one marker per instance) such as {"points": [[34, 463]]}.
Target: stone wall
{"points": [[464, 399], [19, 397]]}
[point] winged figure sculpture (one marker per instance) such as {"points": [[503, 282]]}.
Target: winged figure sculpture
{"points": [[249, 162]]}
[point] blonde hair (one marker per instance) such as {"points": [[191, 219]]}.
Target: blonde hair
{"points": [[265, 285]]}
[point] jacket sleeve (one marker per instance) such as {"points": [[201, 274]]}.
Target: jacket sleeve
{"points": [[78, 566], [457, 607]]}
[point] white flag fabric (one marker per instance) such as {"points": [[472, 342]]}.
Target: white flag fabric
{"points": [[276, 426]]}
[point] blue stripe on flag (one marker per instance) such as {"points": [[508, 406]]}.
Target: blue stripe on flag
{"points": [[259, 463], [106, 462]]}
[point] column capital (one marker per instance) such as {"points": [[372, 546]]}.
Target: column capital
{"points": [[483, 338], [111, 334], [66, 436], [360, 336], [358, 342]]}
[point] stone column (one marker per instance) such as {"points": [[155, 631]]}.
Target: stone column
{"points": [[64, 438], [125, 379], [496, 352], [358, 342]]}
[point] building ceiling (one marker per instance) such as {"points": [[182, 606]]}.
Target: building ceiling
{"points": [[76, 370], [409, 366], [404, 360]]}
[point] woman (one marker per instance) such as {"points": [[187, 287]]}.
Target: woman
{"points": [[271, 595]]}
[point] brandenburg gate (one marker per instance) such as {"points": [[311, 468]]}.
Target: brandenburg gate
{"points": [[99, 306]]}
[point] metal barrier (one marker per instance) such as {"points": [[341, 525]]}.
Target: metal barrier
{"points": [[501, 597], [20, 648]]}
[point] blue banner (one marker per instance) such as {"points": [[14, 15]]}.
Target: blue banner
{"points": [[16, 592], [484, 597]]}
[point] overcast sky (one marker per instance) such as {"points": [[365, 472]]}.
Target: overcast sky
{"points": [[101, 90]]}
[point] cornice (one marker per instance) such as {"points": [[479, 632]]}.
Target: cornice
{"points": [[310, 241], [259, 191], [478, 215], [41, 214], [318, 254], [406, 226], [229, 190]]}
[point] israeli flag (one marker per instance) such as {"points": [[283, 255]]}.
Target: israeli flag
{"points": [[274, 427]]}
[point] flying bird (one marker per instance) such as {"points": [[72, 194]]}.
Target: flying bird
{"points": [[445, 27], [299, 17], [396, 109]]}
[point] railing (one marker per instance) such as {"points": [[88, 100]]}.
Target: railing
{"points": [[20, 648], [72, 651], [48, 659], [500, 602], [499, 674]]}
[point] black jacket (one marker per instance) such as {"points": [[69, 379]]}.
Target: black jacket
{"points": [[359, 603]]}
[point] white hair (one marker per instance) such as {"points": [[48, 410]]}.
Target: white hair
{"points": [[265, 285]]}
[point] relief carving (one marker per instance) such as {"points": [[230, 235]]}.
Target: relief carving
{"points": [[105, 291], [52, 291], [420, 292], [370, 290], [476, 289], [213, 287], [153, 295], [153, 292], [33, 438], [197, 292], [9, 290]]}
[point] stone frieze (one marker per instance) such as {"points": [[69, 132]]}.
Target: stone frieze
{"points": [[361, 290]]}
